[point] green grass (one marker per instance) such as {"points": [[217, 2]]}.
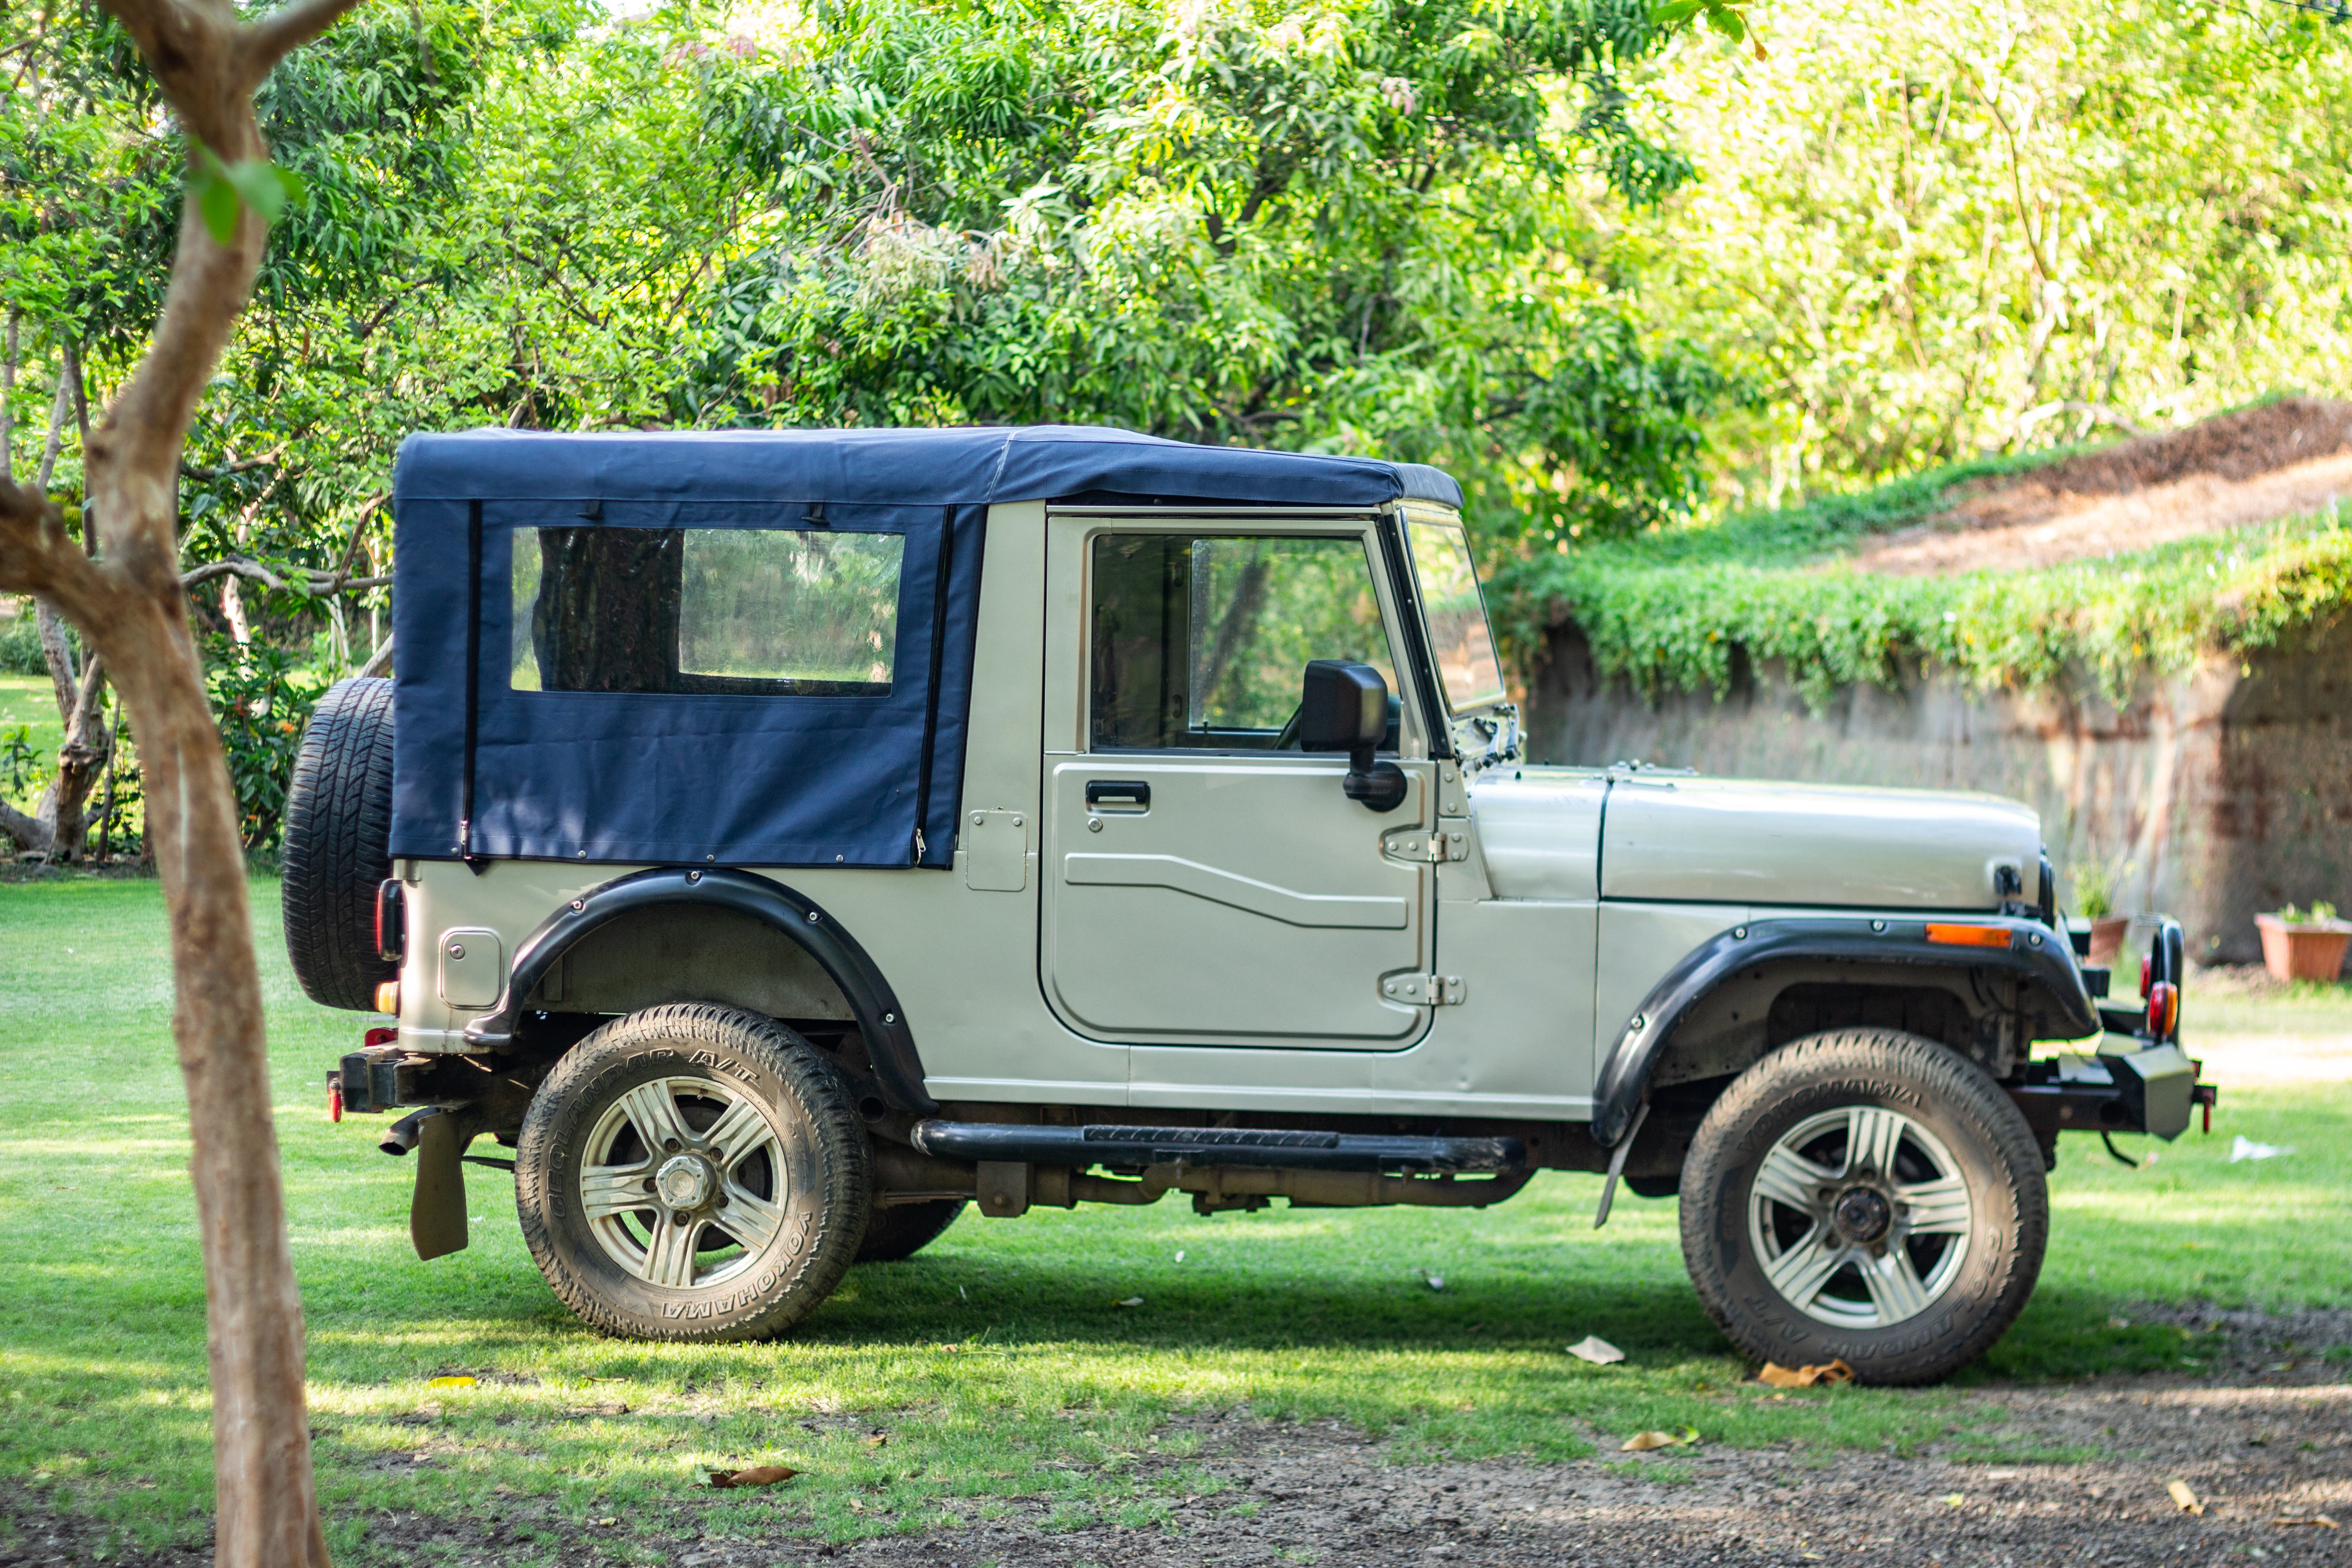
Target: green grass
{"points": [[996, 1362], [30, 700]]}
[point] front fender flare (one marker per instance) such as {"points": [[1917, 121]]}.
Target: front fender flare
{"points": [[880, 1018], [2034, 952]]}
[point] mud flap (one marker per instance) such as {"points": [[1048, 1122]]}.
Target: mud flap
{"points": [[436, 1214]]}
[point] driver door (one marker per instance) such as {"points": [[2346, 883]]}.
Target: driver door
{"points": [[1207, 881]]}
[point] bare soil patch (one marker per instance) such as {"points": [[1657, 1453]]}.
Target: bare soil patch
{"points": [[2283, 459], [2042, 1474]]}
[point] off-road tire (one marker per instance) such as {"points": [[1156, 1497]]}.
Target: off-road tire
{"points": [[1959, 1107], [896, 1231], [339, 845], [819, 1141]]}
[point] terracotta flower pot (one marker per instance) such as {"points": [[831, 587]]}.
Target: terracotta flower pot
{"points": [[2107, 938], [2312, 951]]}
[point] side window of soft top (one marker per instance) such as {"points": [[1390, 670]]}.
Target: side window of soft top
{"points": [[1201, 640], [770, 612]]}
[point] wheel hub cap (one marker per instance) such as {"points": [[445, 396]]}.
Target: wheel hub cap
{"points": [[685, 1182], [1862, 1214]]}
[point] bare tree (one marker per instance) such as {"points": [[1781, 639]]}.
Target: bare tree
{"points": [[128, 601]]}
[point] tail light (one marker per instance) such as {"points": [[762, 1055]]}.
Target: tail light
{"points": [[391, 920], [2163, 1009]]}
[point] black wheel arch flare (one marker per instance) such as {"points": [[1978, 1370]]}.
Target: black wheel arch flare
{"points": [[875, 1008], [2035, 952]]}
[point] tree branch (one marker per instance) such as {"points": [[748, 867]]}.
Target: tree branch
{"points": [[283, 31], [26, 831], [318, 584], [39, 555]]}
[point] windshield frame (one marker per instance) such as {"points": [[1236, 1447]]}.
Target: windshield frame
{"points": [[1416, 518]]}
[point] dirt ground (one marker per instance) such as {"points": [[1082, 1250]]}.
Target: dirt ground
{"points": [[2283, 459], [2264, 1439]]}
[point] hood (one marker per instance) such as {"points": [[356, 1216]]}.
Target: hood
{"points": [[1738, 841]]}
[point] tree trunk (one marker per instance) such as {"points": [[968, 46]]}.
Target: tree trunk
{"points": [[132, 612]]}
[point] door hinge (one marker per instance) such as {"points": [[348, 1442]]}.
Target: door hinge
{"points": [[1426, 847], [1416, 990]]}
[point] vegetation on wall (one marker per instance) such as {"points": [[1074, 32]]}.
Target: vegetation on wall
{"points": [[1675, 610]]}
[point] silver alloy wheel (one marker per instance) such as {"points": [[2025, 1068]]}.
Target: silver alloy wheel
{"points": [[1860, 1216], [680, 1166]]}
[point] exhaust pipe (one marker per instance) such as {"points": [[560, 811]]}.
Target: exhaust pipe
{"points": [[401, 1135]]}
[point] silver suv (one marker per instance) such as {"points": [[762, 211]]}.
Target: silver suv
{"points": [[775, 843]]}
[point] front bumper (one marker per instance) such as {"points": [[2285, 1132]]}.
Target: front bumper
{"points": [[2138, 1079]]}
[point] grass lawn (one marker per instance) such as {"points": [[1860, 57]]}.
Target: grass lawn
{"points": [[30, 700], [996, 1364]]}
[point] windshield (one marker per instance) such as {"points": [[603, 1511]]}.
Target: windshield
{"points": [[1464, 647]]}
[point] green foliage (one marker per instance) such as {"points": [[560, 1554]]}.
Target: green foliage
{"points": [[1667, 610], [2321, 913], [21, 762], [1360, 226], [225, 190], [1924, 231], [261, 700], [20, 645]]}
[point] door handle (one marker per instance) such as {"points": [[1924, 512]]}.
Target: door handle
{"points": [[1119, 795]]}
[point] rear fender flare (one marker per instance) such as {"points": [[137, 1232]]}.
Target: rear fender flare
{"points": [[875, 1008], [2035, 952]]}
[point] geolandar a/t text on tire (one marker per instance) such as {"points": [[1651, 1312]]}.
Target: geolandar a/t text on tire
{"points": [[797, 848]]}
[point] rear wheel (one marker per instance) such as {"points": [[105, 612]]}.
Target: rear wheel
{"points": [[1868, 1196], [693, 1173], [901, 1230]]}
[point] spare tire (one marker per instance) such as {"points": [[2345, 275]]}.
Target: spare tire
{"points": [[339, 845]]}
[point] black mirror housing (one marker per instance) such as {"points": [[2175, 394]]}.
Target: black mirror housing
{"points": [[1344, 707]]}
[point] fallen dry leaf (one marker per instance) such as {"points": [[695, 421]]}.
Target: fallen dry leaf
{"points": [[2319, 1520], [449, 1382], [1130, 1301], [2184, 1496], [1596, 1350], [879, 1440], [757, 1476], [1642, 1442], [1775, 1375]]}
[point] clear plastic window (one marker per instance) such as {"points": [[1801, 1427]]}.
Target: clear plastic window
{"points": [[1203, 639], [770, 612], [1459, 638]]}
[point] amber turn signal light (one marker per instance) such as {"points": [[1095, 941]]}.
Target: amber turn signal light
{"points": [[1968, 936], [387, 997], [2163, 1009]]}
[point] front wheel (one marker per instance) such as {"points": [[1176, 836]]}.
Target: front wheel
{"points": [[1869, 1196], [693, 1173]]}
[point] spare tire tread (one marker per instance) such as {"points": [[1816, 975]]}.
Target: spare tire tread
{"points": [[337, 845]]}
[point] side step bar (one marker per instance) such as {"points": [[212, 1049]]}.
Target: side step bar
{"points": [[1253, 1147]]}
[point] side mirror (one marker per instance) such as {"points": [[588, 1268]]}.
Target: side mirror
{"points": [[1344, 707]]}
